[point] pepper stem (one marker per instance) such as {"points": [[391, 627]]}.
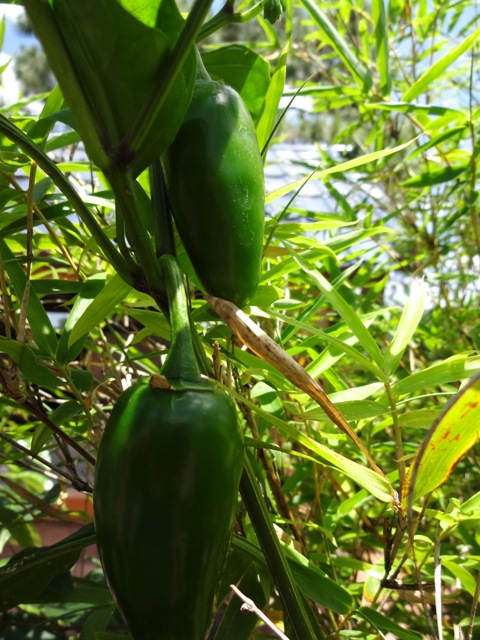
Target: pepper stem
{"points": [[180, 365]]}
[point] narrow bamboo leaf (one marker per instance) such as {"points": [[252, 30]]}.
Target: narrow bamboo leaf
{"points": [[344, 310], [382, 623], [268, 115], [409, 321], [340, 46], [381, 37], [451, 370], [339, 168], [312, 581], [456, 568], [101, 306], [435, 176], [434, 72], [437, 140], [454, 432], [374, 483], [352, 410], [68, 351], [40, 325]]}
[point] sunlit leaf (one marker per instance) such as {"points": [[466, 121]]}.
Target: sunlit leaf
{"points": [[454, 432]]}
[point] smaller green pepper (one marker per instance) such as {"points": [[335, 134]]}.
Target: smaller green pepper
{"points": [[215, 181]]}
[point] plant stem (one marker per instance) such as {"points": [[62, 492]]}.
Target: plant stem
{"points": [[293, 602], [50, 168], [181, 363], [226, 15], [169, 71], [162, 221]]}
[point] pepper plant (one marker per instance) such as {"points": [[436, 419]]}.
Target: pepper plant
{"points": [[353, 497]]}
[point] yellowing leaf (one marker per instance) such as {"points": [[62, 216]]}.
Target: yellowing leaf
{"points": [[453, 433]]}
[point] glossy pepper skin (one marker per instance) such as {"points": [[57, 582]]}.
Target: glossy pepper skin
{"points": [[215, 180], [166, 486]]}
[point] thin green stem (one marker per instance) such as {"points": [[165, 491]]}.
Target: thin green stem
{"points": [[293, 602], [162, 221], [225, 16], [123, 186], [181, 363], [399, 451], [169, 71], [17, 136]]}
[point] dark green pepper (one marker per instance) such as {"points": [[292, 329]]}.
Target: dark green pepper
{"points": [[165, 493], [215, 180]]}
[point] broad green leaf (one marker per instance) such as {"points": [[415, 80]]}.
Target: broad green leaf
{"points": [[41, 327], [100, 308], [266, 121], [27, 574], [244, 70], [339, 168], [409, 321], [435, 71], [26, 359], [454, 432], [114, 63], [339, 45], [67, 350], [383, 623], [344, 310]]}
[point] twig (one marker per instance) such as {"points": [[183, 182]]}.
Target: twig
{"points": [[249, 605]]}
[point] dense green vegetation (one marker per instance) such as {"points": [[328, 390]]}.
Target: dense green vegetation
{"points": [[359, 506]]}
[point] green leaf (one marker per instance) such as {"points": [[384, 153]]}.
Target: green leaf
{"points": [[107, 62], [339, 45], [268, 115], [382, 623], [99, 308], [450, 370], [244, 70], [339, 168], [435, 71], [374, 483], [25, 357], [28, 573], [41, 327], [352, 410], [344, 310], [380, 19], [435, 176], [453, 433], [96, 621], [409, 321], [312, 581], [67, 350]]}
